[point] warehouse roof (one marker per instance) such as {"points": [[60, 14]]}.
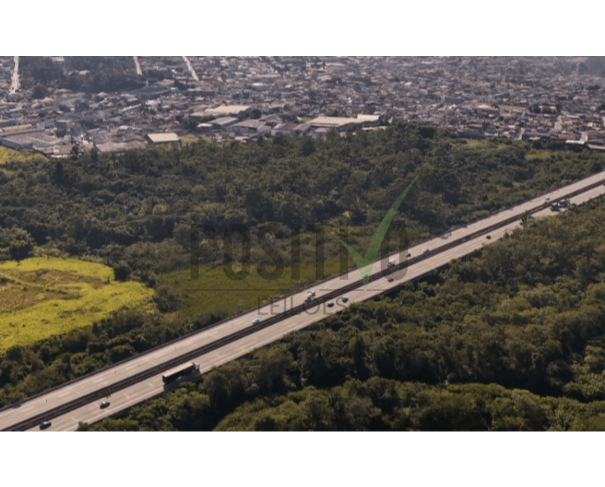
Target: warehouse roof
{"points": [[253, 124], [163, 138], [224, 110], [334, 121], [224, 121]]}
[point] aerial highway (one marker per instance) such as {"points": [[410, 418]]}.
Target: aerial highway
{"points": [[138, 378], [190, 67], [137, 66]]}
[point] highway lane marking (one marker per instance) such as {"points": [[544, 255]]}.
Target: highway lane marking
{"points": [[65, 393], [243, 350]]}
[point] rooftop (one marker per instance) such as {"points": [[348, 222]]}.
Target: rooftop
{"points": [[336, 121], [227, 110], [163, 138]]}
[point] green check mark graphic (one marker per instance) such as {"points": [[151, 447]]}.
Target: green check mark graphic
{"points": [[364, 264]]}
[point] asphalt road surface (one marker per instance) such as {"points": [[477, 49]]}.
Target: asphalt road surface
{"points": [[15, 85], [154, 386]]}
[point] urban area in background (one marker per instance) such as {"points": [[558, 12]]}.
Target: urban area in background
{"points": [[114, 104]]}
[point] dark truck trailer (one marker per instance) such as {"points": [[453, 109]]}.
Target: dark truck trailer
{"points": [[556, 206], [181, 371]]}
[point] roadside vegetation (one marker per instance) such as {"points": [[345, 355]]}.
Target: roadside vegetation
{"points": [[509, 339], [215, 293]]}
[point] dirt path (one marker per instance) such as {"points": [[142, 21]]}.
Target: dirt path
{"points": [[193, 73], [137, 65]]}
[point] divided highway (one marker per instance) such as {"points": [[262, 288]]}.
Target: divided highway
{"points": [[139, 378]]}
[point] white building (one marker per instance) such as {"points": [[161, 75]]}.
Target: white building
{"points": [[165, 138]]}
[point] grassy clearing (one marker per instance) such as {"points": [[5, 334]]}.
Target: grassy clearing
{"points": [[192, 139], [41, 297], [540, 154], [482, 144], [188, 139], [472, 143], [7, 155], [215, 292], [531, 154]]}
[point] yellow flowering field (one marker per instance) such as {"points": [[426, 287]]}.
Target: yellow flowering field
{"points": [[7, 154], [41, 297]]}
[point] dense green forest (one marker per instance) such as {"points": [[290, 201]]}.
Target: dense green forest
{"points": [[133, 211], [512, 338]]}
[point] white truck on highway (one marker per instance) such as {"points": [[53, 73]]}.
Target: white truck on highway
{"points": [[180, 371]]}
